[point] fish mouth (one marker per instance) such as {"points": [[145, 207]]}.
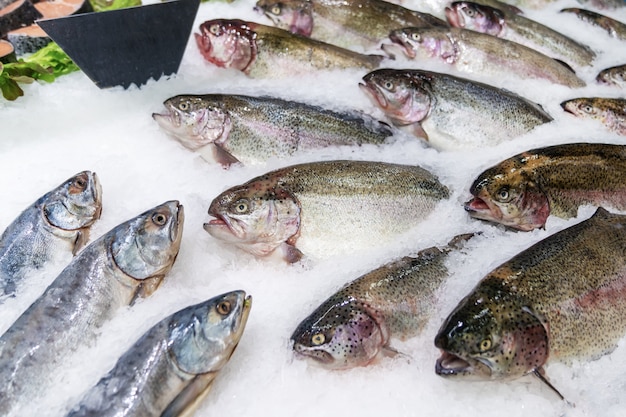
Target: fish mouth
{"points": [[452, 365], [399, 42], [481, 209], [319, 357], [566, 105], [223, 229], [454, 18], [374, 93]]}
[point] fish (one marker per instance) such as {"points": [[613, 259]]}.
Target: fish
{"points": [[124, 264], [172, 366], [604, 4], [521, 192], [520, 29], [350, 24], [613, 76], [614, 28], [438, 7], [480, 54], [562, 299], [439, 108], [321, 209], [49, 231], [262, 51], [354, 326], [611, 112], [250, 130]]}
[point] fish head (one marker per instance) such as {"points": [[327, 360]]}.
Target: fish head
{"points": [[340, 334], [203, 337], [147, 246], [195, 121], [507, 194], [476, 17], [296, 16], [492, 334], [585, 107], [228, 43], [258, 217], [612, 76], [404, 96], [426, 43], [74, 205]]}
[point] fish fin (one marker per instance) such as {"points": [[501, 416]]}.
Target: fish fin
{"points": [[290, 253], [147, 287], [417, 130], [81, 240], [186, 403], [540, 373], [391, 352], [224, 157]]}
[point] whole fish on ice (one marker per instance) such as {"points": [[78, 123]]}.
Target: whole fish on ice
{"points": [[522, 191], [324, 208], [563, 298], [349, 23], [440, 107], [128, 262], [481, 54], [520, 29], [354, 326], [262, 51], [173, 365], [614, 28], [611, 112], [237, 128], [50, 230]]}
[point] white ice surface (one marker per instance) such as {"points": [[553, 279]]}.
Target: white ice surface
{"points": [[59, 129]]}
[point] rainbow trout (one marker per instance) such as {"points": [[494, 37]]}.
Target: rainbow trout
{"points": [[265, 51], [324, 208], [173, 365], [611, 112], [522, 191], [613, 76], [235, 128], [563, 298], [481, 54], [348, 23], [614, 28], [128, 262], [50, 230], [439, 107], [516, 28], [354, 326]]}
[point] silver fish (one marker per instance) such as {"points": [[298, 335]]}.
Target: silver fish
{"points": [[324, 208], [236, 128], [50, 230], [355, 325], [614, 28], [129, 261], [172, 366]]}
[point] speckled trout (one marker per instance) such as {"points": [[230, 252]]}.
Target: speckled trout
{"points": [[173, 365], [439, 107], [236, 128], [128, 262], [355, 325], [613, 76], [522, 191], [614, 28], [517, 28], [348, 23], [324, 208], [51, 230], [480, 54], [262, 51], [610, 112], [563, 298]]}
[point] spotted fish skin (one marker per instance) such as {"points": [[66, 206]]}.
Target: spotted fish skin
{"points": [[563, 298], [172, 364], [611, 112], [50, 230], [523, 190], [355, 325], [614, 28]]}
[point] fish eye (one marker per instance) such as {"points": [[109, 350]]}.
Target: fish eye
{"points": [[318, 339], [503, 194], [587, 108], [276, 9], [388, 85], [159, 219], [80, 183], [214, 29], [470, 12], [241, 207], [183, 106], [415, 36], [485, 345], [223, 308]]}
